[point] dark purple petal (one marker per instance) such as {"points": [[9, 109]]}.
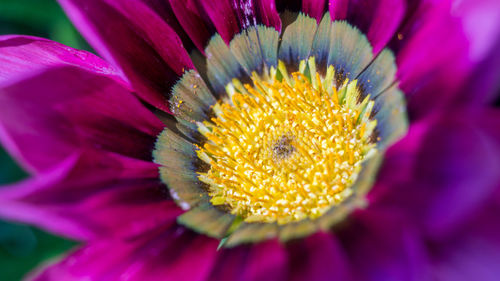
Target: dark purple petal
{"points": [[400, 157], [47, 115], [173, 254], [252, 12], [318, 258], [188, 15], [314, 8], [222, 15], [379, 19], [483, 86], [459, 161], [199, 20], [432, 58], [135, 38], [385, 22], [267, 261], [164, 10], [267, 13], [473, 252], [435, 90], [454, 174], [231, 16], [90, 195], [230, 264], [245, 12], [263, 261], [381, 245]]}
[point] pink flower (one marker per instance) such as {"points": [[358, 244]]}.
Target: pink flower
{"points": [[85, 129]]}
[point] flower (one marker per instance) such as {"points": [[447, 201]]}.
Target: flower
{"points": [[117, 173]]}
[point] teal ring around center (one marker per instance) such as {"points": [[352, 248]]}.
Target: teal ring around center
{"points": [[258, 49]]}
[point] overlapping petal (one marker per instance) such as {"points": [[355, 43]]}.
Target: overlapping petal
{"points": [[89, 141], [314, 8], [432, 59], [69, 118], [382, 245], [379, 19], [20, 56], [165, 10], [136, 39], [191, 18], [472, 252], [265, 261], [455, 172], [318, 258], [459, 164], [92, 194], [481, 23], [55, 101], [223, 17], [267, 13], [169, 254]]}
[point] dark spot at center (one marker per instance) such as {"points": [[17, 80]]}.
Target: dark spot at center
{"points": [[283, 148]]}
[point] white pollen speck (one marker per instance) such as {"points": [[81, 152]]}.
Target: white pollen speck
{"points": [[184, 206]]}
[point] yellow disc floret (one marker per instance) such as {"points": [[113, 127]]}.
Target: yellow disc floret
{"points": [[286, 147]]}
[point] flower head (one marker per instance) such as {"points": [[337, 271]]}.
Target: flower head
{"points": [[280, 141]]}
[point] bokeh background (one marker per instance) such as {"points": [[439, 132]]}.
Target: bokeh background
{"points": [[22, 247]]}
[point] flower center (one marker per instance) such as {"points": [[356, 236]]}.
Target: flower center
{"points": [[284, 148], [288, 135]]}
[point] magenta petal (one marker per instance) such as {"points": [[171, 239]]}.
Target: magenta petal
{"points": [[483, 86], [338, 8], [481, 24], [45, 117], [385, 22], [378, 19], [164, 10], [230, 264], [159, 34], [136, 39], [170, 255], [314, 8], [268, 15], [185, 256], [433, 58], [400, 157], [22, 55], [253, 12], [264, 261], [481, 21], [189, 17], [222, 15], [318, 258], [267, 261], [245, 12], [92, 194]]}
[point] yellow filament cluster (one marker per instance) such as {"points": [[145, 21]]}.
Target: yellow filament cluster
{"points": [[286, 147]]}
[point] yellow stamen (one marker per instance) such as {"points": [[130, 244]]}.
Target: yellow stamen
{"points": [[282, 150]]}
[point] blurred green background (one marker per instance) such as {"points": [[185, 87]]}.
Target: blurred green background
{"points": [[23, 247]]}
